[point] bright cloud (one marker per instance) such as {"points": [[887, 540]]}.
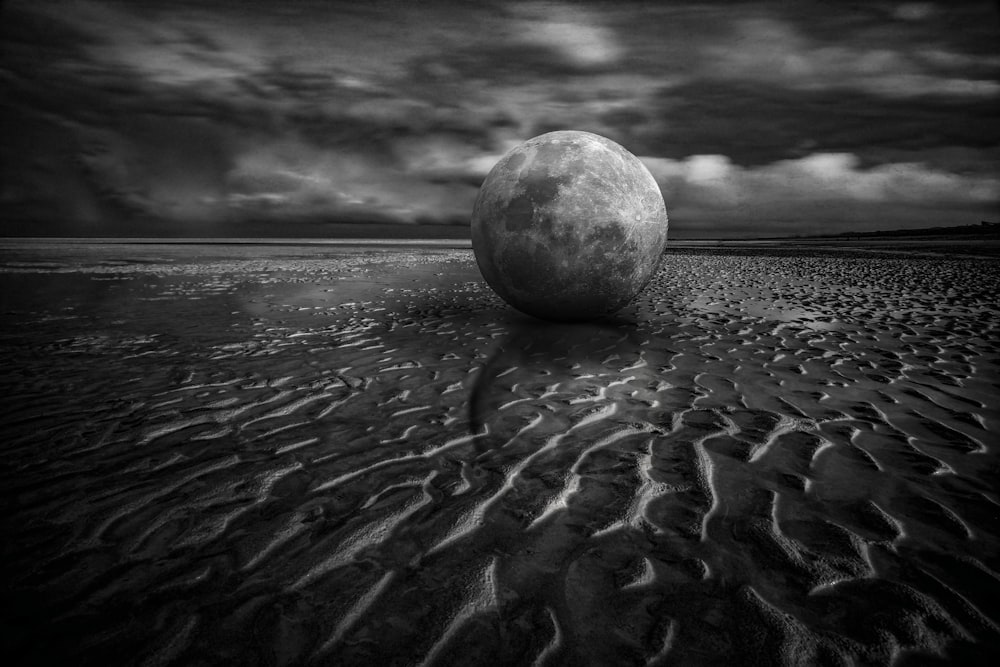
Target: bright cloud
{"points": [[293, 178], [570, 30], [712, 181]]}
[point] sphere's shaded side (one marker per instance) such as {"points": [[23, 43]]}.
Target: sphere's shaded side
{"points": [[568, 225]]}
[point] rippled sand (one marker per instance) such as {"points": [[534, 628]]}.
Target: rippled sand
{"points": [[285, 455]]}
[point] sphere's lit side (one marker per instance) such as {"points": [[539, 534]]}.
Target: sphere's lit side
{"points": [[568, 226]]}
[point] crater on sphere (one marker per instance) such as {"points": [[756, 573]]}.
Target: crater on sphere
{"points": [[515, 162], [519, 212], [538, 189]]}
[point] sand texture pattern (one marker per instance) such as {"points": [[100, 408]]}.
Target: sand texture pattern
{"points": [[362, 456]]}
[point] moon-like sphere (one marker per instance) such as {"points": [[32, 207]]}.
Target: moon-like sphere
{"points": [[568, 226]]}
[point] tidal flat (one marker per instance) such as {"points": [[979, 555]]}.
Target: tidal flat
{"points": [[277, 454]]}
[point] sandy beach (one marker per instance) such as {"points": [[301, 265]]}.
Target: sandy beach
{"points": [[359, 455]]}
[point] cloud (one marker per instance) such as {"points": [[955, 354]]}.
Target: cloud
{"points": [[755, 123], [793, 196], [914, 11], [184, 50], [714, 181], [774, 51], [201, 113], [571, 31], [292, 179]]}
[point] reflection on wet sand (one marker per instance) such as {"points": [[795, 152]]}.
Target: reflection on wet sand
{"points": [[359, 456], [534, 351]]}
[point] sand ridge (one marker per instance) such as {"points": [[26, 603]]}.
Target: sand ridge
{"points": [[364, 457]]}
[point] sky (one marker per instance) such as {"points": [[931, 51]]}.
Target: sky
{"points": [[309, 118]]}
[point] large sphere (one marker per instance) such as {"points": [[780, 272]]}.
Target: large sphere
{"points": [[568, 226]]}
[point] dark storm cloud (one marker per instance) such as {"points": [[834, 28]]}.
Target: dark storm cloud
{"points": [[751, 112], [172, 122], [759, 124]]}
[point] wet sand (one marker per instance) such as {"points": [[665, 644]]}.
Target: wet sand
{"points": [[360, 456]]}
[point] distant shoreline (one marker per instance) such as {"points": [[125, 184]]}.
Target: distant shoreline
{"points": [[467, 243], [956, 244], [52, 240], [390, 235]]}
